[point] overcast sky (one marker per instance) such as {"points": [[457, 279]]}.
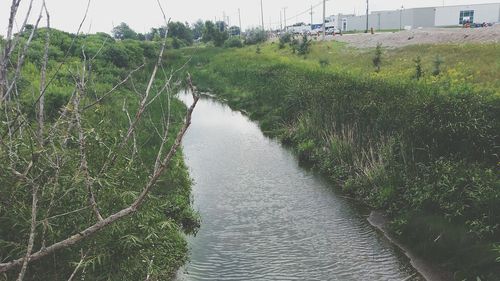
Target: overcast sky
{"points": [[141, 15]]}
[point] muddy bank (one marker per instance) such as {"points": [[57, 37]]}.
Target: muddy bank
{"points": [[429, 271]]}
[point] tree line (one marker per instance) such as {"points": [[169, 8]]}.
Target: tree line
{"points": [[183, 34]]}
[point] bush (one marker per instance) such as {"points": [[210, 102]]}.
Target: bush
{"points": [[285, 39], [255, 36], [438, 61], [233, 42], [117, 54], [305, 46], [377, 59], [419, 71]]}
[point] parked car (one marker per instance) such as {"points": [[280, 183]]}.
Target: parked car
{"points": [[332, 31], [315, 32]]}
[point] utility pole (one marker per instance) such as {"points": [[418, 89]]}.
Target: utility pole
{"points": [[367, 16], [324, 19], [311, 17], [281, 21], [239, 18], [401, 18], [262, 14], [284, 16]]}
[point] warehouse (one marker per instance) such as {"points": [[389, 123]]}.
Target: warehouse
{"points": [[445, 16]]}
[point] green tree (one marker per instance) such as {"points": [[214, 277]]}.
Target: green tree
{"points": [[234, 31], [198, 28], [123, 31], [208, 32], [180, 31]]}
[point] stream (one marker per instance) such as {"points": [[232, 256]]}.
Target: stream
{"points": [[266, 218]]}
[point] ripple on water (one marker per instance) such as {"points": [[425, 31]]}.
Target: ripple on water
{"points": [[265, 218]]}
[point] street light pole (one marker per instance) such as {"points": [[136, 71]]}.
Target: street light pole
{"points": [[281, 20], [324, 19]]}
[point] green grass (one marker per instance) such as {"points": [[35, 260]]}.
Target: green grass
{"points": [[475, 63]]}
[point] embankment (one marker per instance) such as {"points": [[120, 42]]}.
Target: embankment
{"points": [[425, 154]]}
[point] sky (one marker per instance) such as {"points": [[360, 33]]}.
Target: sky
{"points": [[141, 15]]}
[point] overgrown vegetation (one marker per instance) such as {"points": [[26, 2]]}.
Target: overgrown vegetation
{"points": [[424, 151], [150, 242]]}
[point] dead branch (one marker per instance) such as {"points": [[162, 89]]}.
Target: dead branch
{"points": [[83, 256], [22, 56], [41, 104], [99, 100]]}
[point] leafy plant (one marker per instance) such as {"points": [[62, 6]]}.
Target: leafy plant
{"points": [[255, 36], [438, 61], [377, 59], [419, 71], [233, 42], [305, 45], [294, 45], [285, 38]]}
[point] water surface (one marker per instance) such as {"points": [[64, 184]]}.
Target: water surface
{"points": [[266, 218]]}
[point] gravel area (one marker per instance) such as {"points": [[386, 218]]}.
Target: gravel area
{"points": [[422, 36]]}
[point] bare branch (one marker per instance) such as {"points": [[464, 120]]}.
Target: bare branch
{"points": [[31, 239], [41, 104], [81, 140], [114, 88], [142, 107], [22, 56], [83, 256]]}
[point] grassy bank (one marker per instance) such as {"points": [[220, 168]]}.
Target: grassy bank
{"points": [[151, 242], [425, 152]]}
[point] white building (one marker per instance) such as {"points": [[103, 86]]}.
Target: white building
{"points": [[421, 17]]}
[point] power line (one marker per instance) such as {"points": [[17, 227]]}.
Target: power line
{"points": [[298, 14]]}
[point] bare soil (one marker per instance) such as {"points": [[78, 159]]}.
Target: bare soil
{"points": [[422, 36]]}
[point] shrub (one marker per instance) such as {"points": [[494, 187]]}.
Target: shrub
{"points": [[419, 71], [305, 46], [438, 61], [285, 38], [255, 36], [324, 62], [233, 42], [294, 44], [258, 50], [377, 59]]}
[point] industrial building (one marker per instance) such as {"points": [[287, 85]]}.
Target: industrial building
{"points": [[445, 16]]}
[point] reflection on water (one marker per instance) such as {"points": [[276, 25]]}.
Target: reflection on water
{"points": [[265, 218]]}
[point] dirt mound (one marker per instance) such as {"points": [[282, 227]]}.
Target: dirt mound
{"points": [[423, 36]]}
